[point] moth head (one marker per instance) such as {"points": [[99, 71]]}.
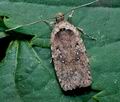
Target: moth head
{"points": [[59, 17]]}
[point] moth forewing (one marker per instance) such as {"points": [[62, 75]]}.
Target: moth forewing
{"points": [[69, 56]]}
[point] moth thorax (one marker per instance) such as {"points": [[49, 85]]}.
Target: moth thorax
{"points": [[59, 17]]}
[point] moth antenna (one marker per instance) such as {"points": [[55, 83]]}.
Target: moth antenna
{"points": [[23, 25], [74, 8], [27, 24]]}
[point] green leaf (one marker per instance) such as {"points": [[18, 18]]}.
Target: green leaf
{"points": [[26, 74], [2, 28], [41, 42], [108, 3], [8, 91], [2, 35], [105, 69]]}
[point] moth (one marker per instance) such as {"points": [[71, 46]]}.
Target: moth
{"points": [[69, 54]]}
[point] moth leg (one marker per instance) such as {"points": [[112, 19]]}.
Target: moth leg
{"points": [[50, 24], [70, 16], [81, 30], [51, 60]]}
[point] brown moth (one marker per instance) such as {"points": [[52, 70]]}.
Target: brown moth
{"points": [[69, 56]]}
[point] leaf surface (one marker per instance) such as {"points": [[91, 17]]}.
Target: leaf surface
{"points": [[26, 74]]}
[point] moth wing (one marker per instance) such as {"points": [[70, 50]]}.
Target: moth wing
{"points": [[69, 57]]}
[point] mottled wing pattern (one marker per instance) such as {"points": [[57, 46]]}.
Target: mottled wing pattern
{"points": [[69, 57]]}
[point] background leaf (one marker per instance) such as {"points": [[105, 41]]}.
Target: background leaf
{"points": [[26, 74]]}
